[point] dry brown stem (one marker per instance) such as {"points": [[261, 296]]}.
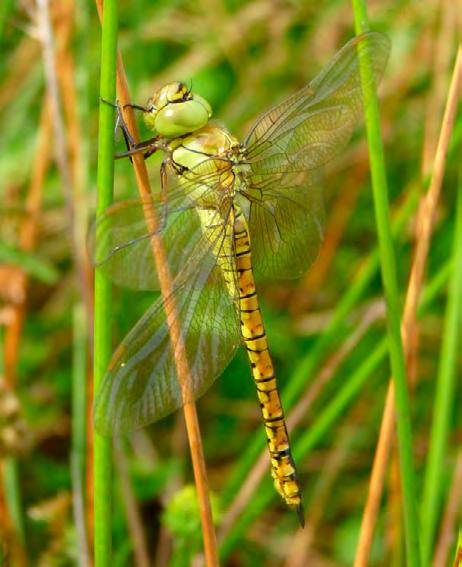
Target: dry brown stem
{"points": [[181, 359]]}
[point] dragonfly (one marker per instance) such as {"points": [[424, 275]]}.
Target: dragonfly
{"points": [[229, 213]]}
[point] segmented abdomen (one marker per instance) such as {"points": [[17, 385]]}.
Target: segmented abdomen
{"points": [[253, 333]]}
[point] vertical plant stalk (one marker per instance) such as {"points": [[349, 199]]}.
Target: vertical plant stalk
{"points": [[444, 395], [427, 209], [103, 289], [389, 280], [181, 360], [451, 513]]}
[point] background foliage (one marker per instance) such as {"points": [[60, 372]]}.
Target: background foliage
{"points": [[242, 57]]}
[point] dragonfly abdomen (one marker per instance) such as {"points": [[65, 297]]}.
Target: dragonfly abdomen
{"points": [[253, 334]]}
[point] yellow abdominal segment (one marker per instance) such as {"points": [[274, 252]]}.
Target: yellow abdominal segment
{"points": [[253, 333]]}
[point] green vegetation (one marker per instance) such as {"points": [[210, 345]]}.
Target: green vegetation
{"points": [[66, 493]]}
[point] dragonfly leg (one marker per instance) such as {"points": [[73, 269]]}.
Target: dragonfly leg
{"points": [[147, 148], [164, 192], [120, 123], [134, 106]]}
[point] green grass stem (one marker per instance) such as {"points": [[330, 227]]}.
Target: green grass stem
{"points": [[103, 288], [6, 7], [390, 285], [329, 416], [434, 483], [13, 496]]}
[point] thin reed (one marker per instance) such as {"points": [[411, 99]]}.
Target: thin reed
{"points": [[102, 454], [426, 209], [390, 285]]}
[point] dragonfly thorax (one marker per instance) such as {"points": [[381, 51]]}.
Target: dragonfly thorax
{"points": [[208, 150]]}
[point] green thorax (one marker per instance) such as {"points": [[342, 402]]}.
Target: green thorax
{"points": [[209, 154], [211, 141]]}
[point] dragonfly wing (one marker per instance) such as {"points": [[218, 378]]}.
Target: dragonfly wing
{"points": [[121, 242], [311, 126], [287, 148], [287, 229], [142, 383]]}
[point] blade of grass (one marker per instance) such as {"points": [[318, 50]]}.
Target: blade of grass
{"points": [[13, 496], [390, 285], [321, 426], [444, 395], [6, 7], [103, 289], [426, 210]]}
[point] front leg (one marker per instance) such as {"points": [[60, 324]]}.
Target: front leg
{"points": [[146, 147]]}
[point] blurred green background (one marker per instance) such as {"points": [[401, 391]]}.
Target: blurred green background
{"points": [[242, 57]]}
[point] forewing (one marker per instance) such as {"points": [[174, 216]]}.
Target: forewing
{"points": [[120, 241], [286, 150], [142, 384], [310, 127]]}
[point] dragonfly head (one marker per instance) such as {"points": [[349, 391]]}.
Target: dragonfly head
{"points": [[175, 111]]}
